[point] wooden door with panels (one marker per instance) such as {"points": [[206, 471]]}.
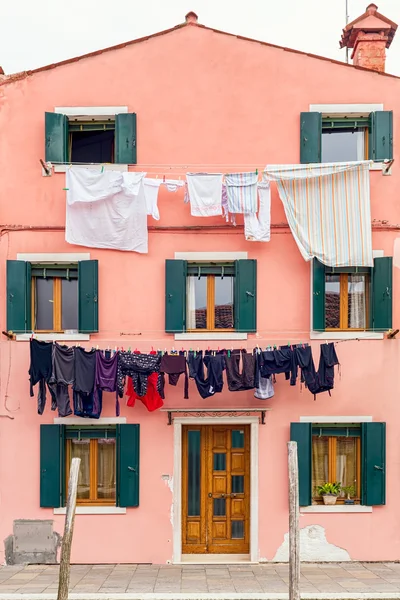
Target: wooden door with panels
{"points": [[216, 489]]}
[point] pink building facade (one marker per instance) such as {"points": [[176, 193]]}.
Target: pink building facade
{"points": [[205, 101]]}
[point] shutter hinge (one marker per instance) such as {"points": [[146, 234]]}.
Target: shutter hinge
{"points": [[249, 294]]}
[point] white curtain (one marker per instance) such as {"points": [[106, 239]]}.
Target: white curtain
{"points": [[360, 145], [191, 302], [357, 308]]}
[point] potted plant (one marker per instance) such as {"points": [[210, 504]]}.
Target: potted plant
{"points": [[350, 491], [329, 492]]}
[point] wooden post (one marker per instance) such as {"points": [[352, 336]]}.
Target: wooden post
{"points": [[63, 580], [294, 538]]}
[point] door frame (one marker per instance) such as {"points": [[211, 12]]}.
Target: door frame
{"points": [[177, 479]]}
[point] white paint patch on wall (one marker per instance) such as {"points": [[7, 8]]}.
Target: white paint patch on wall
{"points": [[396, 253], [313, 547], [169, 481]]}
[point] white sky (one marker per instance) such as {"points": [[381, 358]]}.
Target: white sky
{"points": [[38, 33]]}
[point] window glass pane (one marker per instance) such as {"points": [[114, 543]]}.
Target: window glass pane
{"points": [[332, 301], [69, 304], [92, 146], [219, 462], [237, 484], [44, 304], [237, 438], [81, 449], [224, 302], [106, 469], [193, 473], [196, 302], [343, 145], [219, 507], [357, 309], [346, 461], [237, 530], [320, 473]]}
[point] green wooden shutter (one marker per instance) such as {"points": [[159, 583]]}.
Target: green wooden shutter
{"points": [[19, 319], [381, 135], [175, 295], [301, 433], [88, 292], [310, 137], [382, 301], [128, 444], [373, 467], [56, 134], [245, 308], [52, 466], [125, 139], [318, 299]]}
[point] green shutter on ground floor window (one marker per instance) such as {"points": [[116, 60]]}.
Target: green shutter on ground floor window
{"points": [[373, 461], [125, 139], [382, 293], [245, 306], [310, 137], [88, 296], [301, 433], [52, 466], [56, 138], [175, 295], [128, 475], [19, 319], [381, 135], [318, 296]]}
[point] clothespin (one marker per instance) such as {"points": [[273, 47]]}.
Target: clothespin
{"points": [[256, 171], [32, 336], [129, 349], [97, 347], [163, 178], [152, 349], [102, 169]]}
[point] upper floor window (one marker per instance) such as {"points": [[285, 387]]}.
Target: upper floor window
{"points": [[210, 296], [343, 138], [90, 140], [54, 297]]}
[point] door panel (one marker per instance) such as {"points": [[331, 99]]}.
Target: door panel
{"points": [[216, 489]]}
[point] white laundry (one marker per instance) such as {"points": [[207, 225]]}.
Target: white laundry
{"points": [[151, 188], [106, 212], [258, 228], [205, 194], [173, 185], [265, 389]]}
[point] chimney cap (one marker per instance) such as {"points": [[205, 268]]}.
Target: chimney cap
{"points": [[1, 71], [191, 17], [369, 22]]}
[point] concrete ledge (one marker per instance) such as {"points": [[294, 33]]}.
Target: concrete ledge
{"points": [[206, 596]]}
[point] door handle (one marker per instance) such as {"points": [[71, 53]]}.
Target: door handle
{"points": [[378, 468]]}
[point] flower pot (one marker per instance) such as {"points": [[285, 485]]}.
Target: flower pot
{"points": [[349, 501], [329, 499]]}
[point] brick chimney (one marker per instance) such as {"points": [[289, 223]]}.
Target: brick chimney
{"points": [[369, 35], [191, 17]]}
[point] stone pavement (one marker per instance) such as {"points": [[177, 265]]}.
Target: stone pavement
{"points": [[318, 580]]}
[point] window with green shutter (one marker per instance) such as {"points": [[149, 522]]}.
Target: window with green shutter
{"points": [[210, 296], [352, 298], [344, 138], [52, 297], [91, 140], [109, 468], [352, 454]]}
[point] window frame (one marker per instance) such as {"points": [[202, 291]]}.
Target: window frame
{"points": [[93, 462], [57, 300], [344, 298], [332, 455], [348, 123], [76, 125]]}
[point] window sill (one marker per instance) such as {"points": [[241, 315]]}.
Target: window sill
{"points": [[93, 510], [384, 166], [346, 335], [228, 335], [53, 337], [336, 508], [107, 167]]}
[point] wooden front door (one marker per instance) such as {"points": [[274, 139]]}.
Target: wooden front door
{"points": [[216, 489]]}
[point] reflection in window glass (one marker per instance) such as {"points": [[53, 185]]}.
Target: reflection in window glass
{"points": [[44, 304], [346, 461], [237, 530], [219, 461], [357, 309], [69, 304], [237, 438], [237, 484], [320, 466], [81, 449], [332, 301], [194, 473], [219, 507], [342, 145], [224, 303], [196, 302], [106, 476]]}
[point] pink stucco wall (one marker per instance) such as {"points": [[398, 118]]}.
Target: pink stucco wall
{"points": [[202, 99]]}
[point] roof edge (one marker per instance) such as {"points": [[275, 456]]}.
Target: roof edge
{"points": [[5, 79]]}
